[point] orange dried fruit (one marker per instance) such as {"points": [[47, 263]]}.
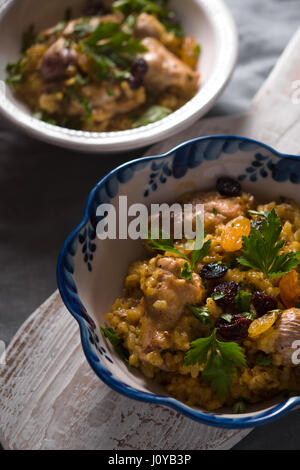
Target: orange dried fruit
{"points": [[231, 238], [190, 51], [262, 324], [290, 289]]}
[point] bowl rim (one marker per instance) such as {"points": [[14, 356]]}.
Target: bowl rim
{"points": [[223, 24], [217, 420]]}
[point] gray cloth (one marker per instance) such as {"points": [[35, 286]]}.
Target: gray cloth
{"points": [[43, 188]]}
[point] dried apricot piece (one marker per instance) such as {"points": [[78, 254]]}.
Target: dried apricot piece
{"points": [[289, 289], [190, 51], [262, 324], [231, 238]]}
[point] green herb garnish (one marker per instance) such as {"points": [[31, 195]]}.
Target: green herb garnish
{"points": [[227, 317], [262, 359], [164, 244], [45, 117], [28, 38], [83, 28], [153, 114], [220, 359], [243, 301], [218, 295], [261, 249], [114, 339], [259, 213], [187, 272], [239, 407], [167, 244], [15, 72], [68, 14], [249, 315], [201, 313], [112, 50], [198, 255]]}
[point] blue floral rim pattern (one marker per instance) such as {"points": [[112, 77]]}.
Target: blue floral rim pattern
{"points": [[281, 168]]}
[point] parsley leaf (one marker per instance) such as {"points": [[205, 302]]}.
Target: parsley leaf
{"points": [[114, 339], [111, 50], [162, 244], [201, 313], [263, 359], [261, 249], [168, 245], [28, 38], [153, 114], [243, 301], [15, 71], [103, 31], [227, 317], [187, 272], [221, 359], [249, 315], [198, 255], [239, 406], [218, 295], [259, 213]]}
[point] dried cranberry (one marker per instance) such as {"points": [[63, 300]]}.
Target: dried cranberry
{"points": [[139, 69], [236, 329], [263, 303], [228, 187], [213, 271], [55, 62], [93, 7], [228, 290]]}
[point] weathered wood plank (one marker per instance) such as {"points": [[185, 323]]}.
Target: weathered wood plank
{"points": [[49, 396]]}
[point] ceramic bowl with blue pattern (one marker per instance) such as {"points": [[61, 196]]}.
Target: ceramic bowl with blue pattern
{"points": [[91, 271]]}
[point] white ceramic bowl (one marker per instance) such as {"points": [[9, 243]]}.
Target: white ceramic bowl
{"points": [[91, 272], [209, 21]]}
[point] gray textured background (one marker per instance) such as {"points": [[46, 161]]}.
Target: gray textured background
{"points": [[43, 189]]}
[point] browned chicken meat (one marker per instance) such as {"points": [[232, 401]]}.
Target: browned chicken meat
{"points": [[57, 59], [110, 69], [165, 70], [166, 295], [219, 209], [279, 340]]}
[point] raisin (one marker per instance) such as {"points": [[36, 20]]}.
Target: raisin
{"points": [[233, 232], [213, 271], [289, 289], [139, 69], [55, 63], [236, 329], [228, 187], [93, 7], [262, 324], [263, 303], [229, 291]]}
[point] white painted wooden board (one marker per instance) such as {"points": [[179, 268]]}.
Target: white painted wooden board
{"points": [[49, 396]]}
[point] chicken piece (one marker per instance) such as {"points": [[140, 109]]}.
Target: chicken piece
{"points": [[165, 70], [108, 100], [218, 209], [149, 26], [166, 295], [57, 59], [69, 29], [279, 340]]}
